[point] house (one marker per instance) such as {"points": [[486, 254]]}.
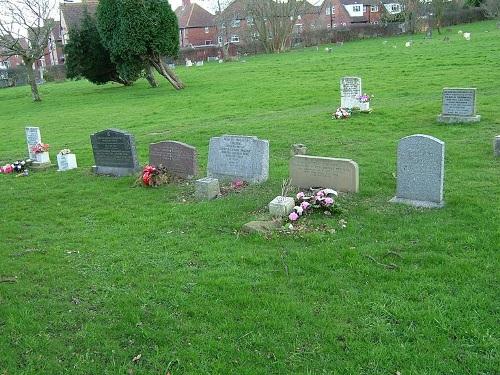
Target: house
{"points": [[196, 25], [72, 14], [53, 54], [11, 62], [343, 13]]}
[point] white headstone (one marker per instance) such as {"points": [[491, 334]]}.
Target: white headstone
{"points": [[33, 138], [238, 157], [66, 162], [420, 171], [350, 88]]}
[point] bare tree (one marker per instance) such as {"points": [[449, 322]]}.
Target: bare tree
{"points": [[26, 18], [274, 21]]}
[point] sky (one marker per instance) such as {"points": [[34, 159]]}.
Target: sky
{"points": [[211, 5]]}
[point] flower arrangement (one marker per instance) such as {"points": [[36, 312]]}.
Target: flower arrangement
{"points": [[364, 98], [154, 176], [65, 151], [322, 199], [40, 148], [19, 166], [341, 113]]}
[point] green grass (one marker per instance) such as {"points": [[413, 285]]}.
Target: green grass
{"points": [[106, 271]]}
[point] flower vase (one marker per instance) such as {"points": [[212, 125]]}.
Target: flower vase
{"points": [[42, 157], [364, 106], [66, 162]]}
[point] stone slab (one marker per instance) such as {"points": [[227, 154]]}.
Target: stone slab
{"points": [[33, 137], [261, 227], [66, 162], [233, 157], [315, 171], [281, 206], [178, 158], [420, 171], [207, 188], [350, 88], [114, 153], [447, 119]]}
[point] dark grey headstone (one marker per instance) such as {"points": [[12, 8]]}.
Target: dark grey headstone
{"points": [[114, 153], [179, 158], [420, 171], [238, 157], [459, 105]]}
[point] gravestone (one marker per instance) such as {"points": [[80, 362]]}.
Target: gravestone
{"points": [[496, 145], [281, 206], [420, 171], [459, 105], [33, 138], [315, 171], [207, 188], [179, 158], [114, 153], [350, 88], [233, 157]]}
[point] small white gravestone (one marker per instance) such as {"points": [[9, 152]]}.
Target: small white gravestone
{"points": [[199, 63], [408, 44], [33, 138], [65, 162], [189, 63], [207, 188], [350, 89], [467, 36], [459, 105], [420, 171], [281, 206]]}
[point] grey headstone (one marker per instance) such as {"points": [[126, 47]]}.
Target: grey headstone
{"points": [[33, 137], [281, 206], [238, 157], [114, 153], [420, 171], [496, 145], [350, 88], [178, 158], [207, 188], [459, 105]]}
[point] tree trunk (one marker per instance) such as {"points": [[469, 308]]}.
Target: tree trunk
{"points": [[32, 81], [167, 73], [150, 76]]}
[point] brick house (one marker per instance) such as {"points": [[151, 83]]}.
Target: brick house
{"points": [[11, 62], [196, 25]]}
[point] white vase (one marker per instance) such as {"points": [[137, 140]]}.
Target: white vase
{"points": [[66, 162], [42, 157], [364, 107]]}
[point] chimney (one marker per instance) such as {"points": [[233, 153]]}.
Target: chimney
{"points": [[186, 3]]}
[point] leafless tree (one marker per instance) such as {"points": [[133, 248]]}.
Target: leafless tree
{"points": [[274, 21], [20, 19]]}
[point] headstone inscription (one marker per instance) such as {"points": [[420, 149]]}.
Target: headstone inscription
{"points": [[314, 171], [238, 157], [459, 105], [179, 158], [420, 171], [114, 153], [33, 138], [350, 89]]}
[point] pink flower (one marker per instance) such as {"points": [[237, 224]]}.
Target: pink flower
{"points": [[300, 195], [320, 193], [328, 201], [304, 205], [293, 216]]}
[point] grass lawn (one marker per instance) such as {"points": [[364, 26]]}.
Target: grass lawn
{"points": [[106, 271]]}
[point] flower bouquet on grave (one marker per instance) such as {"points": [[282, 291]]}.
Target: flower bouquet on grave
{"points": [[341, 114], [41, 151], [65, 151], [154, 176], [19, 166], [319, 199]]}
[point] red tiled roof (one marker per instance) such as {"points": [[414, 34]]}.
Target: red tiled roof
{"points": [[194, 15]]}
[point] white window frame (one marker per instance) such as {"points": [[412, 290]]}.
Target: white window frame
{"points": [[395, 8], [235, 38], [207, 30], [356, 8], [236, 23], [374, 8]]}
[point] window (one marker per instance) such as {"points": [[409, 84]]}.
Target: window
{"points": [[374, 8], [356, 8], [255, 35], [236, 23], [235, 39], [207, 30], [330, 9], [249, 21], [208, 42], [219, 39], [395, 8]]}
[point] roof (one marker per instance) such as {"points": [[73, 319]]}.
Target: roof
{"points": [[364, 2], [193, 15], [73, 12]]}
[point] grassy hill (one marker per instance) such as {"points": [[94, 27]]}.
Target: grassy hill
{"points": [[106, 271]]}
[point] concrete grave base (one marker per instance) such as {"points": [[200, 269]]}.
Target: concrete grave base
{"points": [[448, 119], [114, 171], [414, 203], [36, 165]]}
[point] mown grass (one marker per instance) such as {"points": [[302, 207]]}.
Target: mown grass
{"points": [[106, 271]]}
